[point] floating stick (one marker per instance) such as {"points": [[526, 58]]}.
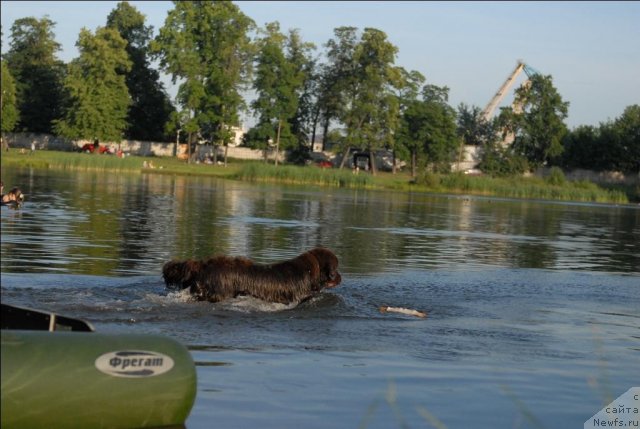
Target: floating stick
{"points": [[407, 311]]}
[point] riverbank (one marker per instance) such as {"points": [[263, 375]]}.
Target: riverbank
{"points": [[257, 171]]}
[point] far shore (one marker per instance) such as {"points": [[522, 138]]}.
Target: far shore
{"points": [[259, 171]]}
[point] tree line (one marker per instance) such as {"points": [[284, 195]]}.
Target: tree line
{"points": [[351, 95]]}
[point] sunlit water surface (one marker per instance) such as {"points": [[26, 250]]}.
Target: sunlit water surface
{"points": [[532, 306]]}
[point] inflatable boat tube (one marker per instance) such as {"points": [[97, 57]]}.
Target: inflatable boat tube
{"points": [[93, 380]]}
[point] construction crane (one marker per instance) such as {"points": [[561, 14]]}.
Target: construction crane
{"points": [[487, 112]]}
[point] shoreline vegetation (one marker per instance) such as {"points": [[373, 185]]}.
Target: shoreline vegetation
{"points": [[554, 187]]}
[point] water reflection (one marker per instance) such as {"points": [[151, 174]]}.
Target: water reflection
{"points": [[123, 224]]}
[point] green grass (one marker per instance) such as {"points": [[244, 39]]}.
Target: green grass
{"points": [[553, 188], [290, 174], [526, 188], [134, 164]]}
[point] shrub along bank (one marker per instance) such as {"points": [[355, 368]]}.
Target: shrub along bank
{"points": [[554, 187]]}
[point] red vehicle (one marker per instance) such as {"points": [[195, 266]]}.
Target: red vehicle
{"points": [[91, 148], [325, 164]]}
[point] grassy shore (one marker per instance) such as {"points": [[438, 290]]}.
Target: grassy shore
{"points": [[257, 171]]}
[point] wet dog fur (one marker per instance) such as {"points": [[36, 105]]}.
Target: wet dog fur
{"points": [[219, 278]]}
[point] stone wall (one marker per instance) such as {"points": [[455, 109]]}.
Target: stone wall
{"points": [[206, 151], [612, 177], [132, 147], [48, 141], [41, 141]]}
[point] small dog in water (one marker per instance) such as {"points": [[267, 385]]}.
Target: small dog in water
{"points": [[222, 277], [13, 198]]}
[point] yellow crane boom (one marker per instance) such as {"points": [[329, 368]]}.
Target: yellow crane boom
{"points": [[487, 112]]}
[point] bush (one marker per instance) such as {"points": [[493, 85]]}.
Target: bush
{"points": [[502, 162], [556, 177]]}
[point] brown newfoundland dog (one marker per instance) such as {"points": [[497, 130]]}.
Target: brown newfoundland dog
{"points": [[222, 277]]}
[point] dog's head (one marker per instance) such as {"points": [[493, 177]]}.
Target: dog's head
{"points": [[328, 265], [180, 274], [14, 196]]}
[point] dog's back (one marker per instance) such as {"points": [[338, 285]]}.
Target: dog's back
{"points": [[223, 277]]}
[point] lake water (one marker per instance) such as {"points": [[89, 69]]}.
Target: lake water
{"points": [[532, 306]]}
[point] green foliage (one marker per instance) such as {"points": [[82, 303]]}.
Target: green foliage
{"points": [[10, 114], [258, 172], [539, 121], [278, 84], [38, 74], [613, 145], [428, 129], [583, 148], [529, 188], [150, 109], [299, 54], [556, 177], [206, 45], [628, 131], [359, 87], [498, 161], [336, 78], [515, 187], [98, 94], [473, 129]]}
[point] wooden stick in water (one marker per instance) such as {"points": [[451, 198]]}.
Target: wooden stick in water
{"points": [[407, 311]]}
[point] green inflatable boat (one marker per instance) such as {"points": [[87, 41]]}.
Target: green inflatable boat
{"points": [[58, 373]]}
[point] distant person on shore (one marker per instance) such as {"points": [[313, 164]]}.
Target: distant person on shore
{"points": [[33, 148]]}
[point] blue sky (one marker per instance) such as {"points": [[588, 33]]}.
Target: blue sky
{"points": [[591, 49]]}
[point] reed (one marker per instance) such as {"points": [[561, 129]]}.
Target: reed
{"points": [[289, 174], [134, 164], [523, 187], [554, 188]]}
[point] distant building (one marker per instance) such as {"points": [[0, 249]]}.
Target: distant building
{"points": [[238, 136]]}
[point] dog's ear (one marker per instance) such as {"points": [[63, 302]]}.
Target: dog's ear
{"points": [[179, 273], [328, 262]]}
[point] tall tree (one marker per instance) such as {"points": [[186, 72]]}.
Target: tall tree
{"points": [[336, 78], [429, 130], [8, 102], [206, 45], [150, 107], [473, 129], [97, 91], [583, 148], [37, 71], [303, 122], [627, 127], [407, 94], [539, 127], [278, 82], [442, 140], [613, 145], [367, 81]]}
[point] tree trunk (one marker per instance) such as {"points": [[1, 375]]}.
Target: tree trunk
{"points": [[325, 131], [278, 140], [314, 127], [393, 161], [372, 163], [413, 163], [344, 157], [460, 154], [175, 147], [226, 152], [189, 148]]}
